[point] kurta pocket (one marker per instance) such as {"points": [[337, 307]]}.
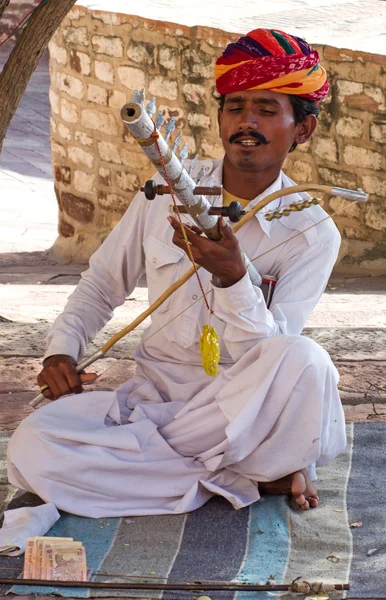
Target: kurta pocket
{"points": [[163, 266]]}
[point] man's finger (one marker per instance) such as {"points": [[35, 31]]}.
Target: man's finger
{"points": [[73, 379], [88, 377], [225, 229]]}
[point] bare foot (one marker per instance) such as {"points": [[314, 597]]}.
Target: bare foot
{"points": [[298, 485]]}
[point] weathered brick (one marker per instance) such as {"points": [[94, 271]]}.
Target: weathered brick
{"points": [[132, 78], [71, 85], [77, 208], [376, 216], [173, 111], [302, 171], [78, 155], [128, 182], [83, 138], [199, 120], [58, 53], [78, 36], [97, 94], [65, 229], [93, 119], [362, 101], [84, 182], [109, 152], [64, 132], [378, 132], [109, 45], [348, 88], [362, 157], [105, 176], [117, 99], [104, 71], [63, 174], [76, 12], [374, 185], [167, 57], [80, 62], [350, 127], [141, 53], [326, 148], [162, 87], [338, 178], [194, 93], [53, 125], [54, 100], [376, 94]]}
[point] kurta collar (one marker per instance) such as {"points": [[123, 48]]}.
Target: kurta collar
{"points": [[277, 185]]}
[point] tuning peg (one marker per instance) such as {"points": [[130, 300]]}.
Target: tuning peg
{"points": [[177, 142], [170, 127], [200, 175], [184, 153], [159, 121], [193, 165], [150, 108], [139, 96]]}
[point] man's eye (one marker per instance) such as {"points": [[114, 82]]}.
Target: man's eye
{"points": [[235, 109], [268, 112]]}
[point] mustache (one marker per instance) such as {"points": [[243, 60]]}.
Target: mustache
{"points": [[250, 133]]}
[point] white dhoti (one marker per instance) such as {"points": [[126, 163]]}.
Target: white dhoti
{"points": [[100, 454]]}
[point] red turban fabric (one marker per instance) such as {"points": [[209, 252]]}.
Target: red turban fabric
{"points": [[268, 59]]}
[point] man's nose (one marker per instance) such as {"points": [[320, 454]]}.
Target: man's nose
{"points": [[249, 120]]}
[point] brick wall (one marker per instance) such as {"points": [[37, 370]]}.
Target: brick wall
{"points": [[97, 61]]}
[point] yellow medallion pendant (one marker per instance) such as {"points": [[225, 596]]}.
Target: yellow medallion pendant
{"points": [[210, 350]]}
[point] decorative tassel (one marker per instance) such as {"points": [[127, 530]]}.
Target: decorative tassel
{"points": [[209, 350]]}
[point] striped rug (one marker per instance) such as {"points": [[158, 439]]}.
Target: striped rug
{"points": [[269, 540]]}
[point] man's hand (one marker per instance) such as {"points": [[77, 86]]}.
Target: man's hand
{"points": [[223, 258], [59, 373]]}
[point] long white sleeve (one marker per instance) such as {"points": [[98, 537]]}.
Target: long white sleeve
{"points": [[113, 274]]}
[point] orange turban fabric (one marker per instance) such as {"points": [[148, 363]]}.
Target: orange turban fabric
{"points": [[267, 59]]}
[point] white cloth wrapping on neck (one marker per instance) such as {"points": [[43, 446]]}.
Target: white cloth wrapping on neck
{"points": [[22, 523]]}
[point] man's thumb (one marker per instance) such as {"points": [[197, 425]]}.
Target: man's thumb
{"points": [[225, 229], [88, 377]]}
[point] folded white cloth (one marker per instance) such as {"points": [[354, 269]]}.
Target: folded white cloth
{"points": [[21, 523]]}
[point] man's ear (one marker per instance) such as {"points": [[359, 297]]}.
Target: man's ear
{"points": [[305, 129]]}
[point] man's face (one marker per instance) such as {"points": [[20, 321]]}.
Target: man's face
{"points": [[257, 129]]}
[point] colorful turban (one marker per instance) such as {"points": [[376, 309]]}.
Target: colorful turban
{"points": [[268, 59]]}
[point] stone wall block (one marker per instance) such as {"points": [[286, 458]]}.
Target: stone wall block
{"points": [[196, 65], [162, 87], [58, 53], [348, 88], [173, 111], [356, 156], [376, 94], [374, 185], [83, 138], [96, 120], [117, 99], [54, 101], [351, 210], [104, 176], [84, 182], [132, 78], [211, 150], [65, 229], [62, 174], [378, 132], [109, 45], [326, 149], [199, 121], [194, 93], [167, 57], [135, 160], [112, 202], [77, 208], [337, 177], [78, 155], [97, 94], [64, 132], [104, 71], [350, 127], [376, 216], [58, 149], [80, 62], [71, 85], [77, 36], [141, 53], [69, 111], [302, 171], [128, 182], [109, 152]]}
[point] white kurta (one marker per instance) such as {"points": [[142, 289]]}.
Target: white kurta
{"points": [[171, 437]]}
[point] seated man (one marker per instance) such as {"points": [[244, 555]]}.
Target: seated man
{"points": [[173, 436]]}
